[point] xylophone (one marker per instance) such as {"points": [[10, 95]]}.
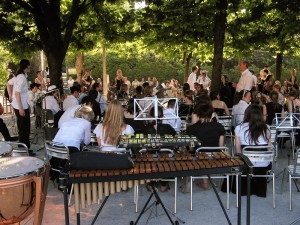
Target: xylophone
{"points": [[157, 140], [90, 186]]}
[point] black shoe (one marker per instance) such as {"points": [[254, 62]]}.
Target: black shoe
{"points": [[31, 153], [13, 139]]}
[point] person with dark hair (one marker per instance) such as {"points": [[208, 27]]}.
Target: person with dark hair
{"points": [[226, 91], [32, 97], [186, 108], [96, 106], [273, 107], [193, 77], [156, 126], [69, 113], [254, 131], [100, 99], [209, 132], [238, 110], [145, 84], [170, 112], [18, 93], [123, 92], [219, 106], [129, 116], [268, 84], [246, 80], [71, 99], [186, 87], [139, 92]]}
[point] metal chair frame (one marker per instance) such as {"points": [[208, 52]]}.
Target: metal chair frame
{"points": [[208, 150], [18, 149], [294, 173], [226, 121], [262, 156]]}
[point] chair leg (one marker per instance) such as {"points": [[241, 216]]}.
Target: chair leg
{"points": [[71, 192], [175, 194], [191, 193], [227, 183], [290, 188], [274, 190], [136, 197]]}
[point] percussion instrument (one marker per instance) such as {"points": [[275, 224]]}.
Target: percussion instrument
{"points": [[23, 188], [90, 186], [157, 140], [5, 149]]}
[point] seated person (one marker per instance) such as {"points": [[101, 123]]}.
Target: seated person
{"points": [[122, 95], [157, 127], [220, 107], [77, 130], [238, 110], [50, 101], [112, 127], [137, 125], [71, 99], [70, 112], [170, 112], [209, 132], [186, 108], [254, 131]]}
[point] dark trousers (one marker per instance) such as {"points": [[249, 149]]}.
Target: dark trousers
{"points": [[4, 131], [23, 123]]}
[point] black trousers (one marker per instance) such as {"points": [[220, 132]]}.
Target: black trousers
{"points": [[23, 123], [4, 131]]}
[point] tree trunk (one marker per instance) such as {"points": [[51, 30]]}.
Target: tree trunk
{"points": [[79, 65], [55, 68], [219, 37], [279, 59], [187, 66]]}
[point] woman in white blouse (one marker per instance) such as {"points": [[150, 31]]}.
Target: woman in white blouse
{"points": [[112, 127]]}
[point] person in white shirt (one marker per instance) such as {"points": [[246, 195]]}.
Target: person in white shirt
{"points": [[204, 80], [70, 82], [77, 130], [50, 101], [246, 79], [238, 110], [18, 93], [170, 112], [70, 112], [32, 97], [193, 78], [112, 127], [71, 99]]}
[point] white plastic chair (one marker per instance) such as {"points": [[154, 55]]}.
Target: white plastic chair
{"points": [[210, 150], [226, 121], [294, 173], [262, 156]]}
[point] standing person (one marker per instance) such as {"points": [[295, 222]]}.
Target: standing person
{"points": [[32, 97], [70, 82], [119, 80], [18, 92], [193, 77], [204, 80], [246, 80], [292, 82], [39, 80]]}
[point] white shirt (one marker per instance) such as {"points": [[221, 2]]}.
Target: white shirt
{"points": [[245, 82], [191, 80], [100, 134], [175, 123], [254, 80], [68, 114], [241, 131], [32, 98], [20, 85], [238, 112], [73, 132], [70, 83], [70, 101], [205, 82], [51, 104]]}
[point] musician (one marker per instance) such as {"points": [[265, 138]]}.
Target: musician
{"points": [[87, 79], [70, 112], [50, 101], [32, 97], [77, 130], [170, 112], [186, 108], [119, 79], [157, 127], [39, 80], [208, 131], [71, 99], [254, 131], [112, 127], [123, 94]]}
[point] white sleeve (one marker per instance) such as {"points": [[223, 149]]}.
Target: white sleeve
{"points": [[249, 83], [87, 134], [97, 130], [129, 130]]}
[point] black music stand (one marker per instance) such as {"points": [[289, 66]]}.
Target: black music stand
{"points": [[156, 203]]}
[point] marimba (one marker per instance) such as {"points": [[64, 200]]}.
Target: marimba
{"points": [[90, 186]]}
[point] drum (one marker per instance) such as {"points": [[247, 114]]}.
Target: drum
{"points": [[5, 149], [23, 183]]}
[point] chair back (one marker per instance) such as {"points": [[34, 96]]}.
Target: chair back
{"points": [[57, 150], [259, 154], [226, 121], [296, 161], [50, 133], [18, 149]]}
